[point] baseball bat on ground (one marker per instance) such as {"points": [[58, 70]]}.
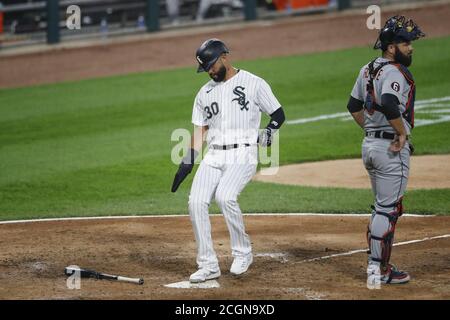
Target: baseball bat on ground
{"points": [[84, 273]]}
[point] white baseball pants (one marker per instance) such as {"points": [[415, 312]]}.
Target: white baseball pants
{"points": [[222, 174]]}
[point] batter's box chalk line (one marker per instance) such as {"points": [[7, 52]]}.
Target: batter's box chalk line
{"points": [[281, 256], [307, 292], [349, 253]]}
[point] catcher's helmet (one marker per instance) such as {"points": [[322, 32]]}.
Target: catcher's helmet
{"points": [[208, 53], [397, 29]]}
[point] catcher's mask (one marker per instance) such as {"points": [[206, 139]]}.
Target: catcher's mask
{"points": [[208, 53], [397, 29]]}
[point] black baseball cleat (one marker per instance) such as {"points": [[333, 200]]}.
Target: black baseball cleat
{"points": [[394, 276]]}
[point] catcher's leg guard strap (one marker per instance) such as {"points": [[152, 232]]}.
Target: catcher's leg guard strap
{"points": [[397, 206], [387, 241], [380, 247]]}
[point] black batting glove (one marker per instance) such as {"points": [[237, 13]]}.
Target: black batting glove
{"points": [[186, 165]]}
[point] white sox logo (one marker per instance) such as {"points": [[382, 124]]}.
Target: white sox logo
{"points": [[241, 97], [395, 86]]}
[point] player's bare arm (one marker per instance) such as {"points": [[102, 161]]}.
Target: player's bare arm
{"points": [[198, 138], [359, 118], [400, 138]]}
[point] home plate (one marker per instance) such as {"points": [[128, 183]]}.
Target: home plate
{"points": [[188, 285]]}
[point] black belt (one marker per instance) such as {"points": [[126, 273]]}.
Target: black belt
{"points": [[380, 134], [229, 146]]}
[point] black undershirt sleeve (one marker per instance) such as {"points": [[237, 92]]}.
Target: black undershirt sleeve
{"points": [[354, 105], [389, 106], [276, 119]]}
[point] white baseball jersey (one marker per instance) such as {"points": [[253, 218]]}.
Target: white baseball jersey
{"points": [[232, 109], [388, 80]]}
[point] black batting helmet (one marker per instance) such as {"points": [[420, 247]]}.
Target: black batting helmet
{"points": [[397, 29], [208, 53]]}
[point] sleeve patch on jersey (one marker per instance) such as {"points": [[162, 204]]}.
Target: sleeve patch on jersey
{"points": [[395, 86]]}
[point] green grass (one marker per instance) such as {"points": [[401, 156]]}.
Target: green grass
{"points": [[103, 146]]}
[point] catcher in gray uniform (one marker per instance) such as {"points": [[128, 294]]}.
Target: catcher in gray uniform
{"points": [[382, 103]]}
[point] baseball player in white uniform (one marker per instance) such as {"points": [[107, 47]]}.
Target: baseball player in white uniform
{"points": [[382, 103], [227, 110]]}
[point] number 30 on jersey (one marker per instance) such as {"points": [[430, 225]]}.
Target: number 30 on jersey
{"points": [[212, 110]]}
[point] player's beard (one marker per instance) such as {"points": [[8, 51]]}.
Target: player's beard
{"points": [[401, 58], [220, 75]]}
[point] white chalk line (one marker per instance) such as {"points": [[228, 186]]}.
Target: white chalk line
{"points": [[307, 292], [317, 118], [420, 104], [186, 215], [365, 250], [273, 255], [447, 98]]}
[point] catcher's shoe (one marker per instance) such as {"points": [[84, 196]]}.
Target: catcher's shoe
{"points": [[241, 264], [201, 275], [373, 276], [394, 276]]}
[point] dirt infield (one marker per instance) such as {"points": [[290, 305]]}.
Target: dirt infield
{"points": [[427, 172], [162, 251], [256, 40]]}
